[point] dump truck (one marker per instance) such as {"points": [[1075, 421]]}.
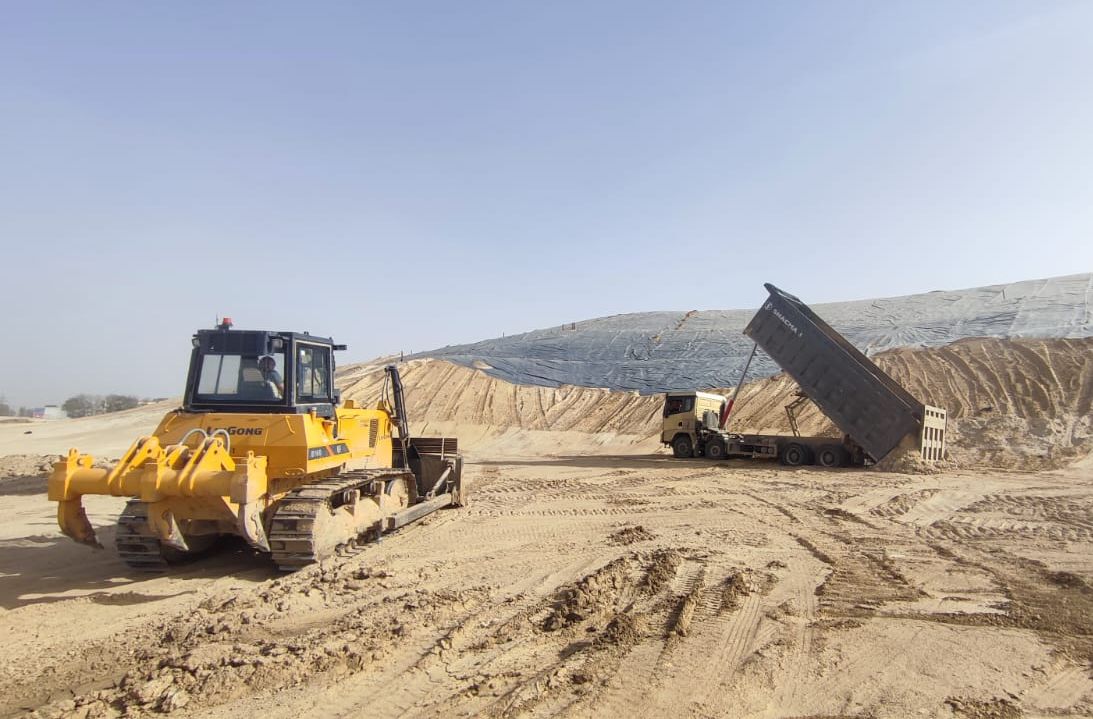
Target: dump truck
{"points": [[264, 448], [874, 413]]}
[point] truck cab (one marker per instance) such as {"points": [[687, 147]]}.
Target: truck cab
{"points": [[247, 371], [688, 418], [692, 428]]}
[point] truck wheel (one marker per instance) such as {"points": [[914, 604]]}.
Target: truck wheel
{"points": [[681, 447], [832, 455], [715, 449], [795, 455]]}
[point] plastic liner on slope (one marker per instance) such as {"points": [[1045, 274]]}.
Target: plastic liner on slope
{"points": [[661, 351]]}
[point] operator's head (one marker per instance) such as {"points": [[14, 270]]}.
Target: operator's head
{"points": [[266, 363]]}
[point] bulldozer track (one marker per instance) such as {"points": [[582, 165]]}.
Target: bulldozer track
{"points": [[137, 546], [291, 535]]}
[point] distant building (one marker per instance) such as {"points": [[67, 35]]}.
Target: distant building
{"points": [[50, 411]]}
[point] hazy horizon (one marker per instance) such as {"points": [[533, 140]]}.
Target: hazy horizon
{"points": [[343, 362], [408, 177]]}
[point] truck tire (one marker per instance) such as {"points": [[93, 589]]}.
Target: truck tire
{"points": [[681, 447], [832, 455], [715, 449], [795, 454]]}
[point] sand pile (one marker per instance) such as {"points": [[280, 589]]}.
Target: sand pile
{"points": [[485, 412], [24, 473], [1012, 403]]}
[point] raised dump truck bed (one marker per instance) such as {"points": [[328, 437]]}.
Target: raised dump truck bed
{"points": [[874, 413], [847, 386]]}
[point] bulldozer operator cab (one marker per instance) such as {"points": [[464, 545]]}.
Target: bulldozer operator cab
{"points": [[252, 371], [686, 412]]}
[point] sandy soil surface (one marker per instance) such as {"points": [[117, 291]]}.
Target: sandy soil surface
{"points": [[591, 586], [106, 435], [589, 576]]}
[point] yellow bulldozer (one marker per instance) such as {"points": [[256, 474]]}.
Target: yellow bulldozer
{"points": [[264, 448]]}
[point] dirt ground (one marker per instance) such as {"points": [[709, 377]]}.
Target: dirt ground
{"points": [[613, 585], [592, 575]]}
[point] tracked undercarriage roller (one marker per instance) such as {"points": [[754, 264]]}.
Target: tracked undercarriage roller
{"points": [[312, 521]]}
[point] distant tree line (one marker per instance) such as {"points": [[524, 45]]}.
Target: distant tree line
{"points": [[82, 405], [85, 405]]}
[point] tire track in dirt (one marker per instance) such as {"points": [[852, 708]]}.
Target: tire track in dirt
{"points": [[897, 507], [971, 529], [733, 646], [939, 506], [1057, 605], [1063, 510], [566, 681], [423, 673], [790, 681], [566, 512], [1064, 689], [723, 635], [639, 671], [238, 644]]}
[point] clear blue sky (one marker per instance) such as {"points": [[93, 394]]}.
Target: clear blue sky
{"points": [[408, 175]]}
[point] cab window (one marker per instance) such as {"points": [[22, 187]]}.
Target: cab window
{"points": [[313, 374], [219, 375], [678, 405], [240, 377]]}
